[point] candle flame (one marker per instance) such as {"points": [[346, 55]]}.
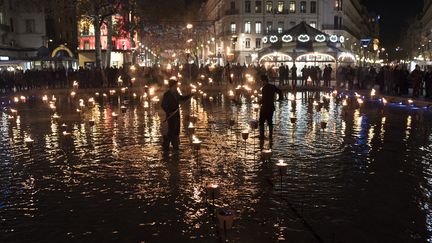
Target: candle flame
{"points": [[281, 162]]}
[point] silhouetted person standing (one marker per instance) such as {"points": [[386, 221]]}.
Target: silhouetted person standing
{"points": [[416, 77], [170, 104], [327, 75], [281, 74], [268, 92], [294, 76], [428, 82]]}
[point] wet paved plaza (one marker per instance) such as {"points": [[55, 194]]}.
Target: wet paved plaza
{"points": [[365, 177]]}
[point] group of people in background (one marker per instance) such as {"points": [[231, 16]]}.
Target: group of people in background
{"points": [[392, 80]]}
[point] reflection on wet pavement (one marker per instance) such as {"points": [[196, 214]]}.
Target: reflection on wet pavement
{"points": [[354, 173]]}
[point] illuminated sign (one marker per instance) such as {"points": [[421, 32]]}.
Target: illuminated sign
{"points": [[265, 39], [365, 42]]}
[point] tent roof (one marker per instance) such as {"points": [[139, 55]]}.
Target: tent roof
{"points": [[303, 28]]}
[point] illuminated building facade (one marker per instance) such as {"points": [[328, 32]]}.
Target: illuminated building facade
{"points": [[240, 25], [418, 38], [121, 42]]}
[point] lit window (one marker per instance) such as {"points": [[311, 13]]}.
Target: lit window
{"points": [[233, 28], [247, 6], [233, 43], [292, 7], [280, 27], [86, 45], [258, 7], [269, 6], [313, 24], [247, 27], [258, 43], [258, 28], [338, 5], [269, 27], [313, 7], [303, 7], [247, 43], [280, 6]]}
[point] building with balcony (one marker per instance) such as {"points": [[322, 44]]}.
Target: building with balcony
{"points": [[22, 30], [239, 26]]}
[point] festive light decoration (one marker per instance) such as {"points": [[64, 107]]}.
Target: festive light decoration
{"points": [[273, 39], [333, 38], [320, 38], [287, 38], [303, 38]]}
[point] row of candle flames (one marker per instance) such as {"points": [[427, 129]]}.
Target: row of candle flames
{"points": [[51, 101], [266, 154], [196, 143], [150, 95]]}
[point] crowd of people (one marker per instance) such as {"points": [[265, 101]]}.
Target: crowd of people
{"points": [[391, 80]]}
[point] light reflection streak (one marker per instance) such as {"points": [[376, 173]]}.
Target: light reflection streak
{"points": [[408, 128], [222, 159], [382, 133], [371, 135]]}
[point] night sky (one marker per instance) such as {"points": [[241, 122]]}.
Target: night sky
{"points": [[395, 17]]}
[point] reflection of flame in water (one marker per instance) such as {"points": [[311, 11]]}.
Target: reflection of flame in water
{"points": [[408, 128], [383, 121], [122, 163]]}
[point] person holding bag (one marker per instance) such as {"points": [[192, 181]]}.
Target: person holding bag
{"points": [[170, 104]]}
